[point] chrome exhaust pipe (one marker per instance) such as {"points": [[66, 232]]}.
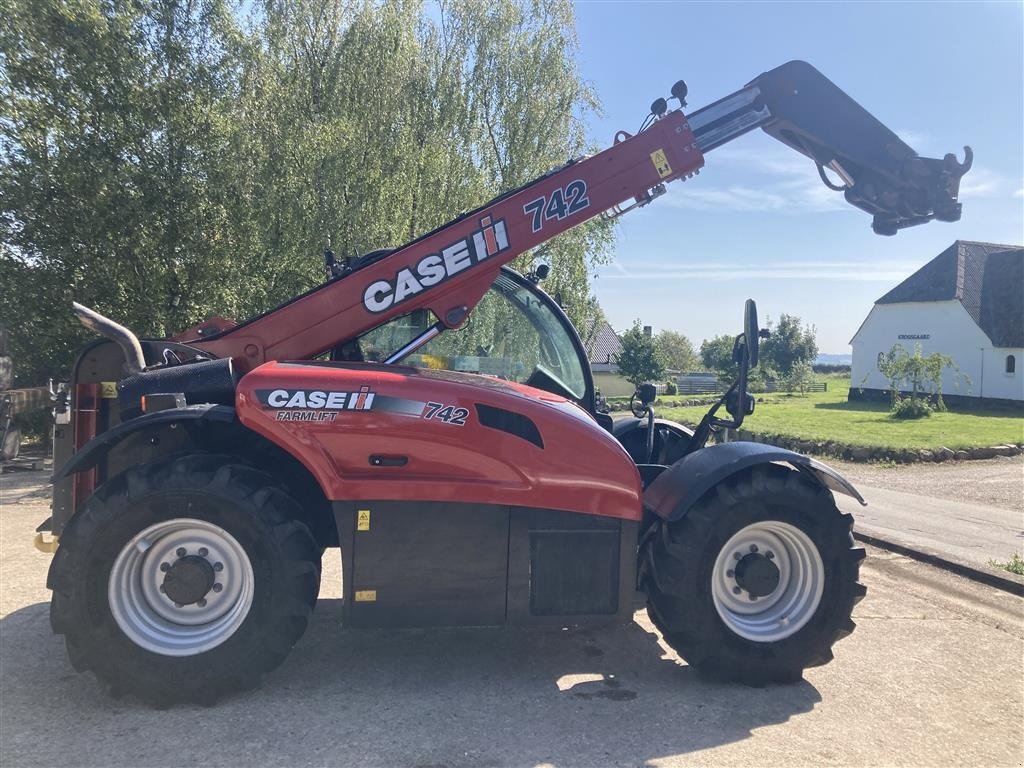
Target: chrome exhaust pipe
{"points": [[134, 360]]}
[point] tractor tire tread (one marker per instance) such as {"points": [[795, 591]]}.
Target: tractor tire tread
{"points": [[87, 629], [681, 608]]}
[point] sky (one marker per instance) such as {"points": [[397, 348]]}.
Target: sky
{"points": [[757, 223]]}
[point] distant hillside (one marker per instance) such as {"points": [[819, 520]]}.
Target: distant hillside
{"points": [[825, 359]]}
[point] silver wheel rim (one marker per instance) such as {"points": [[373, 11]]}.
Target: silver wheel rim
{"points": [[794, 600], [153, 620]]}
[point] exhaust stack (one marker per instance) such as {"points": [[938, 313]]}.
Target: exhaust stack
{"points": [[134, 360]]}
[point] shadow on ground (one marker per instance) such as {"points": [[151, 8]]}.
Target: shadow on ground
{"points": [[384, 697], [854, 407]]}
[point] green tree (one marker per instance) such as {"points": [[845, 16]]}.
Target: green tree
{"points": [[789, 342], [676, 351], [639, 360], [801, 376], [716, 354], [167, 160], [919, 374]]}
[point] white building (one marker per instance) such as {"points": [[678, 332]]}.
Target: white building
{"points": [[968, 303], [601, 350]]}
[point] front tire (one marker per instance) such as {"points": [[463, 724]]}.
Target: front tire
{"points": [[759, 579], [184, 580]]}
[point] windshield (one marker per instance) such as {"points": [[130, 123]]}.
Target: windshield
{"points": [[512, 334]]}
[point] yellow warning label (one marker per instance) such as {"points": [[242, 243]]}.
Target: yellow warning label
{"points": [[661, 163], [366, 595], [363, 521], [108, 390]]}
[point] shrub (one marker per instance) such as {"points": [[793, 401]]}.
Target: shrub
{"points": [[670, 388], [1015, 565], [910, 408]]}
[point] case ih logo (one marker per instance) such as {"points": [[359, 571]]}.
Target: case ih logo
{"points": [[435, 268], [314, 404]]}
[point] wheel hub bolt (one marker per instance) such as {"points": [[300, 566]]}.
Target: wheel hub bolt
{"points": [[736, 590], [218, 567], [165, 567], [162, 588], [180, 552], [218, 587], [203, 551], [737, 556], [201, 602], [770, 555], [753, 547], [753, 597], [730, 573]]}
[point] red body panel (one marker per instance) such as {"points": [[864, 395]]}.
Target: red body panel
{"points": [[338, 419]]}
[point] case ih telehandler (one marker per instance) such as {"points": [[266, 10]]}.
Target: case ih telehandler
{"points": [[198, 480]]}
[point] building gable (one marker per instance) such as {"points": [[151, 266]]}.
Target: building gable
{"points": [[605, 345], [987, 278]]}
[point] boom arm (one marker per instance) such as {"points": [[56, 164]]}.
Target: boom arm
{"points": [[805, 110], [449, 270]]}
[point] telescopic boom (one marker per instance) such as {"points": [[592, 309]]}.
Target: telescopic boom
{"points": [[448, 270]]}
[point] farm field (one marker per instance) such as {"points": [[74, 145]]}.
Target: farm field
{"points": [[827, 416]]}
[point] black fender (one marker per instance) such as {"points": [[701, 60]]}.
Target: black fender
{"points": [[623, 428], [90, 454], [671, 495], [632, 422]]}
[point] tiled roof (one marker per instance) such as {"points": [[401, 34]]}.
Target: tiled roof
{"points": [[605, 346], [987, 278]]}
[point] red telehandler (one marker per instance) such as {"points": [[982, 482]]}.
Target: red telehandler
{"points": [[466, 475]]}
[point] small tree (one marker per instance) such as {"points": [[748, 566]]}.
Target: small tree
{"points": [[801, 376], [918, 373], [789, 342], [639, 360]]}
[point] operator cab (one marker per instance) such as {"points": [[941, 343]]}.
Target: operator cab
{"points": [[516, 333]]}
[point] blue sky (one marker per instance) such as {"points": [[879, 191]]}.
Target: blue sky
{"points": [[757, 222]]}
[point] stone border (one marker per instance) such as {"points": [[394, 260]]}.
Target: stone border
{"points": [[866, 453]]}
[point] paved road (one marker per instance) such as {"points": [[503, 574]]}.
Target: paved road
{"points": [[969, 533], [931, 677]]}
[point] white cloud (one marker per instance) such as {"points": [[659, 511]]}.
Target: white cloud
{"points": [[775, 179], [984, 182], [840, 271]]}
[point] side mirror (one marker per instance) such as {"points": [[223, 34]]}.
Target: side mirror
{"points": [[740, 403], [751, 331], [647, 393]]}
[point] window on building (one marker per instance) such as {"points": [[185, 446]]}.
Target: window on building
{"points": [[1011, 364]]}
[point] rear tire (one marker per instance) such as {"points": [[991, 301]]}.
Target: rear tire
{"points": [[215, 534], [763, 631]]}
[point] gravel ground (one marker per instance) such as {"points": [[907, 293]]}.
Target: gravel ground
{"points": [[995, 482], [931, 677]]}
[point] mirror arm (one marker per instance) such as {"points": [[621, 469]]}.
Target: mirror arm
{"points": [[650, 434]]}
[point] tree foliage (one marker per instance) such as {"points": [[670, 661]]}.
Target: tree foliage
{"points": [[639, 360], [801, 376], [676, 351], [789, 342], [918, 374], [716, 354], [166, 160]]}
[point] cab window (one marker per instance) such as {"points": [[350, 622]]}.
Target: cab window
{"points": [[511, 335]]}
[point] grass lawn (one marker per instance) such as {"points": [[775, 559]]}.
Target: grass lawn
{"points": [[827, 416]]}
